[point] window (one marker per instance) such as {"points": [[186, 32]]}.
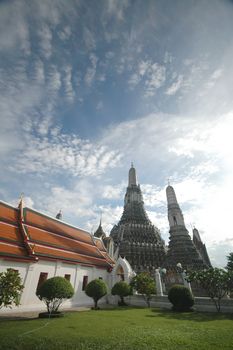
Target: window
{"points": [[67, 277], [175, 222], [100, 278], [85, 282], [43, 277]]}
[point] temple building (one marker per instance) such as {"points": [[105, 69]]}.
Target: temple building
{"points": [[135, 237], [39, 247], [181, 249]]}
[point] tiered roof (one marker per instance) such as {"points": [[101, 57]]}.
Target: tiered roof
{"points": [[26, 234]]}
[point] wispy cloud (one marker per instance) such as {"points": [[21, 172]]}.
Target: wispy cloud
{"points": [[175, 86], [91, 71], [152, 74], [64, 153], [45, 36]]}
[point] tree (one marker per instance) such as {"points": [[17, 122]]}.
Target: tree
{"points": [[96, 289], [229, 266], [144, 284], [122, 289], [217, 283], [10, 288], [181, 298], [53, 292]]}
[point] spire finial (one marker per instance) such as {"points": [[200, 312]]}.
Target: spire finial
{"points": [[132, 176], [59, 215], [168, 181], [21, 199], [100, 218]]}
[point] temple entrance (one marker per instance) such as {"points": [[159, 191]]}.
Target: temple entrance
{"points": [[120, 273]]}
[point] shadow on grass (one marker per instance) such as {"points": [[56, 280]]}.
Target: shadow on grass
{"points": [[17, 318], [190, 316]]}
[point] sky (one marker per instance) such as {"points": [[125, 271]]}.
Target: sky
{"points": [[87, 87]]}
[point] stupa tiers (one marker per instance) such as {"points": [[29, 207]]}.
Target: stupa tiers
{"points": [[201, 248], [135, 238], [181, 248]]}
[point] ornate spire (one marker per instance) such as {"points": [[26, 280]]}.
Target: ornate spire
{"points": [[132, 176], [59, 215], [100, 232], [171, 196], [134, 236]]}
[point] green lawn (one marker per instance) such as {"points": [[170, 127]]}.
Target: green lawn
{"points": [[123, 328]]}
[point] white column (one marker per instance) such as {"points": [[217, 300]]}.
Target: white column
{"points": [[159, 288], [57, 268], [186, 283], [27, 284], [76, 279]]}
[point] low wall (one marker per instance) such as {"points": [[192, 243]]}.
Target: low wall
{"points": [[201, 303]]}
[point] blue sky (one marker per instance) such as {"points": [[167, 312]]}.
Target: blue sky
{"points": [[86, 87]]}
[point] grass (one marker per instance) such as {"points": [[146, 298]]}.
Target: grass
{"points": [[122, 328]]}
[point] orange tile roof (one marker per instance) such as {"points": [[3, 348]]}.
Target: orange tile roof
{"points": [[38, 236]]}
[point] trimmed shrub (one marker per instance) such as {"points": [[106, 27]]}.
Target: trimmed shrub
{"points": [[181, 298], [11, 288], [122, 289], [96, 289], [53, 292]]}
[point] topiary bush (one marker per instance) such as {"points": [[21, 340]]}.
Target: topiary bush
{"points": [[122, 289], [53, 292], [181, 298], [96, 289]]}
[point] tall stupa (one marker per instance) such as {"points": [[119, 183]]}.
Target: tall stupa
{"points": [[135, 237], [181, 248]]}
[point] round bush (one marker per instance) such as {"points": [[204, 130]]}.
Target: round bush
{"points": [[54, 291], [181, 298], [96, 289], [122, 289]]}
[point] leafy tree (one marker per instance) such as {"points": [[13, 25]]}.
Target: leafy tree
{"points": [[217, 283], [181, 298], [96, 289], [229, 266], [144, 284], [53, 292], [122, 289], [10, 288]]}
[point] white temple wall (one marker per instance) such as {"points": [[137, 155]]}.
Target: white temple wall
{"points": [[30, 274]]}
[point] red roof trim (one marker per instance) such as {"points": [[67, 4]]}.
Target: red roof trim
{"points": [[56, 234], [69, 251], [53, 219]]}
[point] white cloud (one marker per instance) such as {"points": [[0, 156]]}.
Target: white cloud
{"points": [[99, 106], [91, 71], [113, 192], [175, 86], [54, 79], [116, 9], [65, 33], [68, 87], [45, 35], [39, 72], [62, 152], [151, 73], [89, 39], [155, 79]]}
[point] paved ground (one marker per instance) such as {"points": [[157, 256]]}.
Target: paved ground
{"points": [[33, 314]]}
